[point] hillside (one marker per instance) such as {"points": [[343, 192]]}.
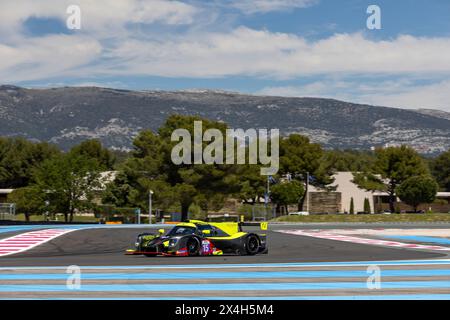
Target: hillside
{"points": [[66, 116]]}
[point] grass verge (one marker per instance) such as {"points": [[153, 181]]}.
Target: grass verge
{"points": [[368, 218]]}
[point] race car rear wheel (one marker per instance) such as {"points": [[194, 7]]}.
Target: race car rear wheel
{"points": [[193, 247], [252, 244]]}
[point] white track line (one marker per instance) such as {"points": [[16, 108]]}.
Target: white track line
{"points": [[338, 237], [29, 240]]}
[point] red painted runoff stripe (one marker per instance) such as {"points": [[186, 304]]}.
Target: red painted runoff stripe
{"points": [[332, 236], [29, 240], [34, 236], [21, 241], [13, 245]]}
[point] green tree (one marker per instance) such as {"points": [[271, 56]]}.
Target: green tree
{"points": [[208, 180], [352, 206], [367, 206], [163, 198], [247, 183], [285, 194], [185, 184], [396, 164], [369, 181], [186, 194], [417, 190], [392, 166], [440, 168], [93, 149], [28, 200], [349, 160], [18, 159], [299, 158], [120, 191], [68, 182]]}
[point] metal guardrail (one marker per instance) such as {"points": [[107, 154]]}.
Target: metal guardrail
{"points": [[7, 211]]}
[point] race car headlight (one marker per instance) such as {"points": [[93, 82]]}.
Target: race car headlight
{"points": [[138, 241], [173, 242]]}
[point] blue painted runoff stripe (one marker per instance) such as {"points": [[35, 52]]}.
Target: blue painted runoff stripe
{"points": [[225, 286], [229, 275], [18, 228], [254, 265], [27, 228], [422, 239]]}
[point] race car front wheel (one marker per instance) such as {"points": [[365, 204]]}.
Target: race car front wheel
{"points": [[252, 245], [193, 247]]}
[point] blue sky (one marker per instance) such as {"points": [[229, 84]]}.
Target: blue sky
{"points": [[273, 47]]}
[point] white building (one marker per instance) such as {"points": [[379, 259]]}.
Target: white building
{"points": [[344, 184], [379, 200]]}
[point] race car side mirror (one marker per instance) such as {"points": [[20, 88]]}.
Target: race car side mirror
{"points": [[161, 231], [206, 231]]}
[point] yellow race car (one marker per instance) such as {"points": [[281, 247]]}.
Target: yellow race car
{"points": [[199, 238]]}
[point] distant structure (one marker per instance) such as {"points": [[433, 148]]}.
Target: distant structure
{"points": [[338, 201]]}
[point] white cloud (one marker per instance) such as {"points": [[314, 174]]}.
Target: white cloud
{"points": [[243, 51], [46, 57], [264, 6], [432, 96], [401, 93], [107, 46], [251, 52], [104, 23], [98, 15]]}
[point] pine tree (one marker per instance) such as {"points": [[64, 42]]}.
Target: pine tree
{"points": [[367, 206], [352, 206]]}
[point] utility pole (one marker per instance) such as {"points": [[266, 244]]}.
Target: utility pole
{"points": [[307, 188], [138, 212], [150, 206], [267, 195], [47, 203]]}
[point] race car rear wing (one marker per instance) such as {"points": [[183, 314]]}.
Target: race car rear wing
{"points": [[262, 225], [232, 227]]}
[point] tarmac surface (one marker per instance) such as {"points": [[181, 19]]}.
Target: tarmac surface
{"points": [[89, 263], [106, 246]]}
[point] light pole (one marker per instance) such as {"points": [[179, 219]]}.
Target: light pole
{"points": [[138, 212], [150, 206], [307, 190], [47, 203], [266, 198]]}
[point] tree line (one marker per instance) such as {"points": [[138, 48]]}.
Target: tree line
{"points": [[47, 179]]}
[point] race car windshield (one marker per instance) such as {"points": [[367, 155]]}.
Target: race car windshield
{"points": [[181, 231]]}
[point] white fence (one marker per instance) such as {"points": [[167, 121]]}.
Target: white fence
{"points": [[7, 211]]}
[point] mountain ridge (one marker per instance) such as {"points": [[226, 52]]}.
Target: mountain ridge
{"points": [[67, 115]]}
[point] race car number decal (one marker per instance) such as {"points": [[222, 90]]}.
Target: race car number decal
{"points": [[206, 245]]}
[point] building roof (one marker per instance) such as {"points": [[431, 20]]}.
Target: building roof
{"points": [[443, 195]]}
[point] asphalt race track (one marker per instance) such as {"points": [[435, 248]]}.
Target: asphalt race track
{"points": [[297, 267], [94, 247]]}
